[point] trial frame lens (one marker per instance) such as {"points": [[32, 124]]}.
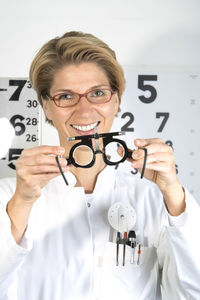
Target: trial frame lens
{"points": [[96, 96], [81, 160], [110, 152]]}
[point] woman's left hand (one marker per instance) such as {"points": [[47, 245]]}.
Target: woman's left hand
{"points": [[160, 168]]}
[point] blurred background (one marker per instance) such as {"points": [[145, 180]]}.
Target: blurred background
{"points": [[145, 33]]}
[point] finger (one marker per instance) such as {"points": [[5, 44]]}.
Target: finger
{"points": [[154, 158], [120, 151], [56, 150], [41, 159], [41, 178], [34, 170], [146, 142], [152, 148], [136, 154], [160, 167]]}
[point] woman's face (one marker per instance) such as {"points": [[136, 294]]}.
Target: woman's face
{"points": [[72, 121]]}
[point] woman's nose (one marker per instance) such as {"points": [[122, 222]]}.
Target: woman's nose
{"points": [[84, 105]]}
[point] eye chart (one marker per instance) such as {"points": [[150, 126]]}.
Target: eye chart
{"points": [[18, 103], [164, 105], [154, 104]]}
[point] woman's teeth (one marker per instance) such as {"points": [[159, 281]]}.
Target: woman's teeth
{"points": [[85, 128]]}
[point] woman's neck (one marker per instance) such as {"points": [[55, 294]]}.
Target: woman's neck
{"points": [[87, 177]]}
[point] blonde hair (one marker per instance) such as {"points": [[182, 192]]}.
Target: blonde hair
{"points": [[74, 48]]}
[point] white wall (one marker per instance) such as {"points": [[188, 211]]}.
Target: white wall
{"points": [[144, 33]]}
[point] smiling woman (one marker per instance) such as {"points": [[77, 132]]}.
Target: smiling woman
{"points": [[83, 116], [76, 255], [74, 48]]}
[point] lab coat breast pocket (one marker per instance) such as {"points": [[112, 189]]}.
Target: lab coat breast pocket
{"points": [[136, 280]]}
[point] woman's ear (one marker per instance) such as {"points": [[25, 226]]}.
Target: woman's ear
{"points": [[116, 104]]}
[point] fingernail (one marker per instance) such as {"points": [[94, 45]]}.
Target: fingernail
{"points": [[135, 155], [63, 162], [65, 169], [61, 150]]}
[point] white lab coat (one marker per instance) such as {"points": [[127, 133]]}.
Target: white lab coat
{"points": [[69, 252]]}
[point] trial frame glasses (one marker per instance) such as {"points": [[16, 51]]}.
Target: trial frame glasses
{"points": [[107, 138]]}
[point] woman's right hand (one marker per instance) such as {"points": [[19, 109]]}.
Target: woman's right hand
{"points": [[34, 168]]}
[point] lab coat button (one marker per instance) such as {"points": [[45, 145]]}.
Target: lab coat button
{"points": [[88, 204]]}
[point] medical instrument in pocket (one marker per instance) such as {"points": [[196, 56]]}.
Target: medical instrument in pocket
{"points": [[117, 253], [132, 242], [138, 253], [122, 218], [124, 248]]}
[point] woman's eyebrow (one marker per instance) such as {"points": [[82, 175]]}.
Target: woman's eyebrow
{"points": [[63, 90], [99, 86], [91, 88]]}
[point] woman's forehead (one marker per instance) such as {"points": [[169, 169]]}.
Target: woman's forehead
{"points": [[79, 77]]}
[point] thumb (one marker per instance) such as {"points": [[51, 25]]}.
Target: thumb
{"points": [[120, 151]]}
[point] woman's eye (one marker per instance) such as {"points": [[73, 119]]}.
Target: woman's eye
{"points": [[65, 97], [98, 93]]}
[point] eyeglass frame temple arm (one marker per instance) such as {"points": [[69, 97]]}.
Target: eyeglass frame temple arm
{"points": [[129, 155], [61, 171]]}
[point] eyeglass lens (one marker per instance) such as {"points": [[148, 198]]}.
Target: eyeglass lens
{"points": [[69, 99], [82, 155], [111, 152]]}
